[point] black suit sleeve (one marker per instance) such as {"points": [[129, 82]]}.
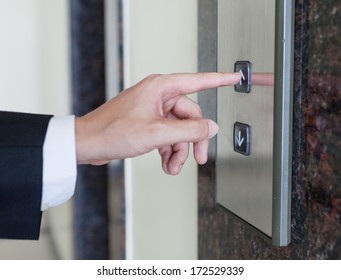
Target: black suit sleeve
{"points": [[21, 154]]}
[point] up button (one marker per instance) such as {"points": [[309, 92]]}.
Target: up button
{"points": [[244, 68], [241, 138]]}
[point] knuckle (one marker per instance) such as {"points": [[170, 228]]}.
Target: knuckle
{"points": [[197, 109], [154, 78], [202, 130]]}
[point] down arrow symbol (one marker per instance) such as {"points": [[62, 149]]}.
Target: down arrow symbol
{"points": [[239, 139]]}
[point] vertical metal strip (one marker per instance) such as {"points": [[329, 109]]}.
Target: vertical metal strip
{"points": [[283, 122]]}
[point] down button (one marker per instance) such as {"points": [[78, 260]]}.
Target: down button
{"points": [[241, 138]]}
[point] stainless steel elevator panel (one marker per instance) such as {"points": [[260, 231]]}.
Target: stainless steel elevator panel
{"points": [[254, 140]]}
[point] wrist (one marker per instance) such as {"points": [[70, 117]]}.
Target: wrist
{"points": [[86, 144], [80, 142]]}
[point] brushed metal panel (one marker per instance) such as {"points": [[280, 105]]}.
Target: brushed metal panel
{"points": [[256, 186]]}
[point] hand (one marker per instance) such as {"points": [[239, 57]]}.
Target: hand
{"points": [[153, 114]]}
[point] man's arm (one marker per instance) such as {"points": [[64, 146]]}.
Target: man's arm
{"points": [[153, 114], [21, 152]]}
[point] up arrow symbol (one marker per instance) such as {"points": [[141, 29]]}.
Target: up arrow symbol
{"points": [[243, 77], [239, 139]]}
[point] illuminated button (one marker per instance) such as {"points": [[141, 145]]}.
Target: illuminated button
{"points": [[244, 67]]}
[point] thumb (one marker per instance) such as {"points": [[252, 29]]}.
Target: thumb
{"points": [[189, 130]]}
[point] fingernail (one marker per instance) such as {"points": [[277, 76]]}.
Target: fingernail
{"points": [[212, 129]]}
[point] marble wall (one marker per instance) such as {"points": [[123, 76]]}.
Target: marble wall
{"points": [[99, 200], [91, 233], [316, 188]]}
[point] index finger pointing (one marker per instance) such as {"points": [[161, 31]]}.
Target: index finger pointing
{"points": [[187, 83]]}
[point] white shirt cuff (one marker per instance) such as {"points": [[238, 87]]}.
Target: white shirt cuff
{"points": [[59, 162]]}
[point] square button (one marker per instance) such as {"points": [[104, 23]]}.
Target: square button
{"points": [[244, 67], [241, 138]]}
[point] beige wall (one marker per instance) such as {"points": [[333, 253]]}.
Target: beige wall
{"points": [[160, 37], [34, 56]]}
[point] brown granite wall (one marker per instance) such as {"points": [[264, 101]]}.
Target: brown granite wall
{"points": [[99, 202], [316, 195], [91, 233]]}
